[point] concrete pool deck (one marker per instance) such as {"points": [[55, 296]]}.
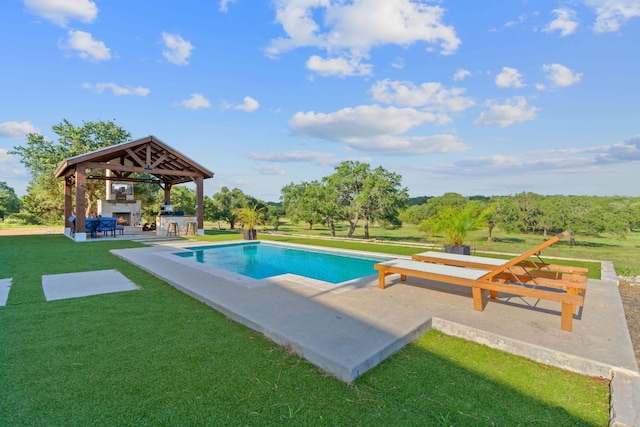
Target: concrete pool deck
{"points": [[346, 333]]}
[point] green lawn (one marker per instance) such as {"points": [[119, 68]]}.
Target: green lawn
{"points": [[158, 357]]}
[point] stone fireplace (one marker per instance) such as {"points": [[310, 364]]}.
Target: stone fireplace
{"points": [[120, 203]]}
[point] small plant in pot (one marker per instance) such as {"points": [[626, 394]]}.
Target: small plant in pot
{"points": [[456, 222], [250, 217]]}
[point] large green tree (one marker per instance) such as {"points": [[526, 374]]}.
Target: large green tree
{"points": [[9, 202], [225, 204], [41, 157]]}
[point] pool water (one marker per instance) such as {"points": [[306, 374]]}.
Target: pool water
{"points": [[260, 261]]}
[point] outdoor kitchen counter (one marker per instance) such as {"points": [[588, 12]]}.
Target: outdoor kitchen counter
{"points": [[162, 224]]}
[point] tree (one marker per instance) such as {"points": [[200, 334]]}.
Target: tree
{"points": [[302, 202], [346, 184], [382, 198], [183, 199], [226, 203], [41, 158], [9, 202]]}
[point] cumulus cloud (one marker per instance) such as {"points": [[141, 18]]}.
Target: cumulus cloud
{"points": [[248, 105], [349, 30], [60, 12], [224, 5], [196, 102], [372, 128], [512, 111], [509, 77], [86, 46], [177, 50], [340, 67], [612, 14], [17, 130], [269, 170], [117, 90], [565, 22], [560, 75], [433, 96], [320, 158], [461, 74]]}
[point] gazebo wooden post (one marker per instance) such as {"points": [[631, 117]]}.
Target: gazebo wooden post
{"points": [[200, 204], [167, 194], [68, 204], [80, 203]]}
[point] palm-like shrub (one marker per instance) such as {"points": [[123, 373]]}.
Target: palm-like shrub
{"points": [[456, 222]]}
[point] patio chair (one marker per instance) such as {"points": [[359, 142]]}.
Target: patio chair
{"points": [[518, 276]]}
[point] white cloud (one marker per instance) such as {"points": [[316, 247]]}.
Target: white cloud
{"points": [[565, 161], [10, 166], [494, 165], [359, 122], [349, 30], [612, 14], [621, 152], [509, 77], [560, 75], [320, 158], [461, 74], [224, 5], [338, 66], [196, 101], [565, 22], [431, 95], [61, 11], [269, 170], [375, 129], [86, 46], [249, 104], [177, 50], [514, 110], [116, 89], [17, 130]]}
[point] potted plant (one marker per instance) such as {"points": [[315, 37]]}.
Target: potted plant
{"points": [[249, 217], [456, 222]]}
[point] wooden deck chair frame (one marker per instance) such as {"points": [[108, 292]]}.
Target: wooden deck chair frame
{"points": [[518, 276]]}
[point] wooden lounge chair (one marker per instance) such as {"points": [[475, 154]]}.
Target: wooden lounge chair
{"points": [[518, 276]]}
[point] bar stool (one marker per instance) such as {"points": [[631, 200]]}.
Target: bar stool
{"points": [[172, 228], [192, 228]]}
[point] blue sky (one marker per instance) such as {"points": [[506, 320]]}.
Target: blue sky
{"points": [[482, 97]]}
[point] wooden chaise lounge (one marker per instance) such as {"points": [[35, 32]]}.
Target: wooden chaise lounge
{"points": [[518, 276]]}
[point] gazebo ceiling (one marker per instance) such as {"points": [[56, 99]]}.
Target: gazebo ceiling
{"points": [[147, 155]]}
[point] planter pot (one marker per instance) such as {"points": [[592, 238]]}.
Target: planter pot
{"points": [[459, 250], [250, 234]]}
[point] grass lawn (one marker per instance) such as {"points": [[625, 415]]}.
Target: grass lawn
{"points": [[158, 357]]}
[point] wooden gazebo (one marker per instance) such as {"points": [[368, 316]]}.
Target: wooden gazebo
{"points": [[166, 166]]}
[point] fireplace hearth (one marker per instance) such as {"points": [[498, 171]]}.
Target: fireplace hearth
{"points": [[124, 218]]}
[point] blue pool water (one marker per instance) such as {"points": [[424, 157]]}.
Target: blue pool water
{"points": [[260, 260]]}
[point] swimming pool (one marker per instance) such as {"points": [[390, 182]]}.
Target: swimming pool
{"points": [[259, 260]]}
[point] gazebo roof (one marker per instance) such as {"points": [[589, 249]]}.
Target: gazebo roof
{"points": [[146, 155]]}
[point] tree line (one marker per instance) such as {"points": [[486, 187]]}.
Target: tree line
{"points": [[355, 194]]}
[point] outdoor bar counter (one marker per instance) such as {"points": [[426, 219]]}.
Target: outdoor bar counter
{"points": [[182, 221]]}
